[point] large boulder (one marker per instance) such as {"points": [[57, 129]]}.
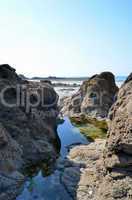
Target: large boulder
{"points": [[94, 97], [28, 113], [117, 159], [112, 174], [119, 143], [8, 73]]}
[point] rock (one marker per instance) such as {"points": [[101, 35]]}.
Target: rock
{"points": [[46, 81], [129, 78], [23, 77], [95, 97], [78, 169], [10, 185], [8, 73], [106, 173], [3, 137], [119, 141], [27, 126], [87, 154], [116, 181]]}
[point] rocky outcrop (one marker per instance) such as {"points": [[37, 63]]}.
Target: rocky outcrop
{"points": [[28, 113], [95, 97], [105, 171], [116, 183], [8, 73], [129, 78], [119, 142], [74, 173]]}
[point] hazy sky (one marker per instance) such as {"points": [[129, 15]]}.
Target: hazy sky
{"points": [[66, 37]]}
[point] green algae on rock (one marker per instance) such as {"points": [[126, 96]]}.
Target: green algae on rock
{"points": [[92, 128]]}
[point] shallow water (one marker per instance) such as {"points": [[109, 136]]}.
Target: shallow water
{"points": [[40, 187], [69, 135]]}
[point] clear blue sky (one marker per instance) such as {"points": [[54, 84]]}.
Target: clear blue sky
{"points": [[66, 37]]}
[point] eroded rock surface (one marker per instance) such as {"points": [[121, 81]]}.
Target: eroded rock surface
{"points": [[28, 135], [117, 184], [113, 174], [95, 97], [76, 172], [106, 173]]}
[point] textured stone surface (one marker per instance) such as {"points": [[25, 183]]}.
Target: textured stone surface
{"points": [[119, 142], [78, 170], [94, 97], [106, 173], [27, 132], [113, 174]]}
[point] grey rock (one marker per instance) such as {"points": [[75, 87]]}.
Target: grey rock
{"points": [[95, 97], [27, 131]]}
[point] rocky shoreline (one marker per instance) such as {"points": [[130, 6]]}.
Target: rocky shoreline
{"points": [[106, 165], [27, 130], [101, 170], [73, 169]]}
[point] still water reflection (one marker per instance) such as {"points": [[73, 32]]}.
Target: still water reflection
{"points": [[42, 187]]}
